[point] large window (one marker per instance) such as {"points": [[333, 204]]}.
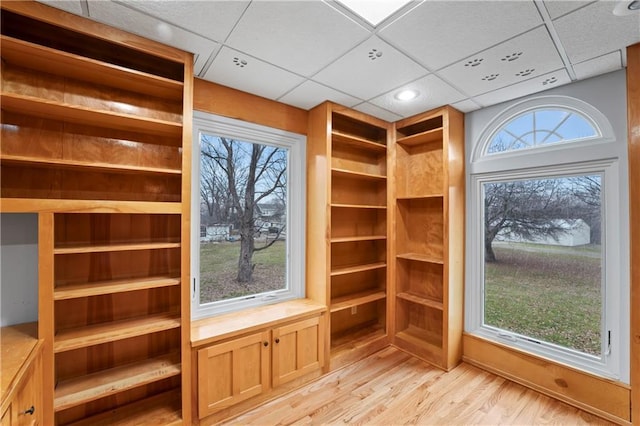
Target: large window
{"points": [[546, 250], [248, 215]]}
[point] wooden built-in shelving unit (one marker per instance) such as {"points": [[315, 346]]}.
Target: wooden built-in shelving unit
{"points": [[96, 128], [429, 247], [352, 205]]}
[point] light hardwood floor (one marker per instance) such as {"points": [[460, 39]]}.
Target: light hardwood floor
{"points": [[393, 388]]}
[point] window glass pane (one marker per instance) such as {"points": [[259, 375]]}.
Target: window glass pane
{"points": [[501, 142], [243, 217], [576, 127], [543, 260]]}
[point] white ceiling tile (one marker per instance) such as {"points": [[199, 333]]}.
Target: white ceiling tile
{"points": [[235, 69], [467, 105], [310, 94], [597, 66], [433, 92], [146, 26], [438, 33], [370, 70], [594, 31], [211, 19], [301, 36], [558, 8], [376, 111], [537, 84], [518, 59], [68, 5]]}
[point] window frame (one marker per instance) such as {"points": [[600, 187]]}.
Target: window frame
{"points": [[577, 157], [216, 125]]}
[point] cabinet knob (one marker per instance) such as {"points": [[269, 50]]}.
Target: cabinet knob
{"points": [[30, 411], [277, 340], [266, 343]]}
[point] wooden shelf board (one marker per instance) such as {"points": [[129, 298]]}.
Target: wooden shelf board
{"points": [[418, 257], [358, 175], [37, 57], [430, 136], [361, 238], [38, 205], [413, 298], [74, 164], [419, 197], [162, 409], [344, 270], [80, 390], [356, 337], [100, 248], [357, 299], [358, 206], [91, 335], [49, 109], [97, 288], [420, 337], [357, 142]]}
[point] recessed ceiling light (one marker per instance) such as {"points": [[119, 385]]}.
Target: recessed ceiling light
{"points": [[374, 11], [406, 95], [626, 7]]}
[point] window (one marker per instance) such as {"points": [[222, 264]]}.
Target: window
{"points": [[545, 250], [247, 215]]}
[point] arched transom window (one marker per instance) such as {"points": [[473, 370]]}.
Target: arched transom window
{"points": [[542, 126]]}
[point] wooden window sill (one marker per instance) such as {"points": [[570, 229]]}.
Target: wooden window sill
{"points": [[213, 329]]}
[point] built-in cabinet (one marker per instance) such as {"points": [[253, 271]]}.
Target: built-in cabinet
{"points": [[347, 257], [247, 361], [429, 236], [96, 139]]}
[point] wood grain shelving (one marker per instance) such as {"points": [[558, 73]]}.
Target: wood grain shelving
{"points": [[420, 300], [357, 299], [113, 247], [430, 136], [358, 238], [420, 257], [97, 288], [357, 142], [87, 388], [358, 206], [343, 270], [357, 175]]}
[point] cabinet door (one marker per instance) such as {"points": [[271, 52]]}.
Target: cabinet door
{"points": [[231, 372], [297, 349], [28, 402]]}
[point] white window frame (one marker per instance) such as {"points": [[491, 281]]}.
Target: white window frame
{"points": [[296, 183], [600, 156]]}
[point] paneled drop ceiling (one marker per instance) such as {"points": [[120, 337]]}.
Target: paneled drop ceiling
{"points": [[470, 54]]}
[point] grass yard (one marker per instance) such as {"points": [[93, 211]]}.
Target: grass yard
{"points": [[547, 293], [219, 266]]}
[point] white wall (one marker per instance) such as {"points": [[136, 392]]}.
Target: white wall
{"points": [[18, 268]]}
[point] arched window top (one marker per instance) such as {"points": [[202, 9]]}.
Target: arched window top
{"points": [[542, 126], [542, 122]]}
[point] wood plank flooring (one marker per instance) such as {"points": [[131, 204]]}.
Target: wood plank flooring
{"points": [[393, 388]]}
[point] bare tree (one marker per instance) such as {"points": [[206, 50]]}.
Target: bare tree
{"points": [[253, 173], [525, 209], [587, 190]]}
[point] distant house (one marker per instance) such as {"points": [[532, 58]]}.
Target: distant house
{"points": [[214, 233], [577, 233], [270, 217]]}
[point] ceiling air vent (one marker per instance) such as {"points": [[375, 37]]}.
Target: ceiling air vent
{"points": [[374, 54], [512, 57], [490, 77], [240, 62], [474, 62], [525, 73], [549, 80]]}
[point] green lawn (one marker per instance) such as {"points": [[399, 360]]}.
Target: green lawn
{"points": [[548, 293], [219, 266]]}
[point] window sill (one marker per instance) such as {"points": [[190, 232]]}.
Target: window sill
{"points": [[213, 329]]}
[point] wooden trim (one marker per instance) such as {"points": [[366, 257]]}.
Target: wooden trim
{"points": [[46, 319], [50, 205], [605, 398], [633, 114], [228, 102]]}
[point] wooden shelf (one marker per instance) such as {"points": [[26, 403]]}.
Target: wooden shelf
{"points": [[359, 336], [357, 206], [343, 270], [91, 335], [100, 248], [74, 291], [162, 409], [89, 165], [421, 343], [430, 136], [420, 197], [357, 142], [66, 64], [79, 390], [45, 108], [349, 301], [420, 258], [41, 205], [360, 238], [413, 298], [357, 175]]}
